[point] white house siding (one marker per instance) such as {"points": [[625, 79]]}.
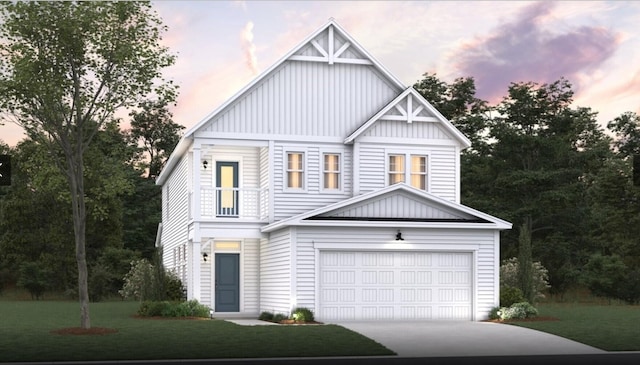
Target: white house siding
{"points": [[288, 202], [379, 239], [249, 168], [441, 169], [308, 99], [174, 219], [251, 276], [397, 205], [401, 129], [206, 273], [275, 272]]}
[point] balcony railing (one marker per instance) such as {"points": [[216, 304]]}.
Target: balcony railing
{"points": [[243, 203]]}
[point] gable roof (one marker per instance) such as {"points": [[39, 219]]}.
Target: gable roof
{"points": [[330, 43], [435, 213], [410, 107]]}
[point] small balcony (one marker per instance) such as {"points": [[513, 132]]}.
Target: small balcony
{"points": [[239, 203]]}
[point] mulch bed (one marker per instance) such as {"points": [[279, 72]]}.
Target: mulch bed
{"points": [[79, 331]]}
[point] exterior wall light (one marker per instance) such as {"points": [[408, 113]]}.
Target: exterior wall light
{"points": [[204, 256], [399, 236], [205, 163]]}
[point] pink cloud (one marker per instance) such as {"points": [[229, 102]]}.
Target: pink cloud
{"points": [[524, 50], [249, 47]]}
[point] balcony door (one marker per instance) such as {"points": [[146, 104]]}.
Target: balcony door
{"points": [[227, 189]]}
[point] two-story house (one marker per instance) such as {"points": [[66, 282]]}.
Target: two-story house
{"points": [[326, 183]]}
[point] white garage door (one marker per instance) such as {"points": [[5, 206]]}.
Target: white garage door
{"points": [[395, 285]]}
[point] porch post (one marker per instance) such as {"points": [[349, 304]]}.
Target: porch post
{"points": [[196, 263], [196, 196]]}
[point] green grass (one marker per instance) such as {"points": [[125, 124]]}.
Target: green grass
{"points": [[607, 327], [25, 335]]}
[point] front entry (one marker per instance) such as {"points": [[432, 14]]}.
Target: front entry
{"points": [[227, 282]]}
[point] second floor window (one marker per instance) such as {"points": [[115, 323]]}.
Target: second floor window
{"points": [[415, 172], [295, 170], [419, 172], [331, 171], [396, 169]]}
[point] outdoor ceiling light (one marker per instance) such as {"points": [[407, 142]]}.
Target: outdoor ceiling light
{"points": [[399, 236]]}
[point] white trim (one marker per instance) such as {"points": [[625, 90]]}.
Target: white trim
{"points": [[230, 136], [286, 150], [341, 170], [474, 285], [272, 181], [394, 246], [293, 268], [355, 167], [410, 92], [407, 142]]}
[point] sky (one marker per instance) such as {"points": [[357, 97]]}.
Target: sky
{"points": [[222, 45]]}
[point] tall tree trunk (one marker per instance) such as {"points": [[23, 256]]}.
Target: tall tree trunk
{"points": [[75, 175]]}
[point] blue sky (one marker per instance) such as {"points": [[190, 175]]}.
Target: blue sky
{"points": [[222, 45]]}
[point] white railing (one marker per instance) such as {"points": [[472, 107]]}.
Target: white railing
{"points": [[245, 203]]}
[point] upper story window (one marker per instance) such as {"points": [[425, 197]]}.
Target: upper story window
{"points": [[408, 167], [295, 170], [419, 172], [331, 171], [396, 169]]}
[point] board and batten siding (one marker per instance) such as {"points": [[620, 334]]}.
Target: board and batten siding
{"points": [[275, 272], [249, 168], [441, 169], [175, 212], [401, 129], [378, 239], [289, 202], [308, 99]]}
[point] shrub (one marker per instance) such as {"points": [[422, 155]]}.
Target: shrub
{"points": [[191, 308], [510, 295], [302, 314], [266, 316], [279, 317], [610, 277], [522, 310], [493, 314], [34, 278], [146, 282], [509, 276]]}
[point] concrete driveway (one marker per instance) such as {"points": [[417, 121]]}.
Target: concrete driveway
{"points": [[449, 338]]}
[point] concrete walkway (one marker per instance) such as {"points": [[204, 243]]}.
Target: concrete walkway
{"points": [[445, 338], [251, 322]]}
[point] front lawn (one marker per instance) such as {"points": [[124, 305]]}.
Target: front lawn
{"points": [[25, 335], [607, 327]]}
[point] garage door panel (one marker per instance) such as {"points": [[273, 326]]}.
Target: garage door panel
{"points": [[400, 285]]}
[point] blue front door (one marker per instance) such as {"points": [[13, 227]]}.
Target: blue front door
{"points": [[227, 282]]}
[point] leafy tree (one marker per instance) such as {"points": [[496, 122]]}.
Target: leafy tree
{"points": [[66, 68], [34, 278], [153, 128], [609, 277], [627, 131]]}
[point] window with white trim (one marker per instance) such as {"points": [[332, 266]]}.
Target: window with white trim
{"points": [[396, 169], [331, 171], [411, 168], [419, 172], [295, 170]]}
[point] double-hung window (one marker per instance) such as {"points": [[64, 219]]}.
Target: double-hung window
{"points": [[331, 171], [295, 170], [408, 168], [396, 169]]}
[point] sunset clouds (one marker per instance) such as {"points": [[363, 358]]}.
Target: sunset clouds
{"points": [[221, 46], [525, 49]]}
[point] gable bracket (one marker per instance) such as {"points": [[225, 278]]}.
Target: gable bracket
{"points": [[319, 48]]}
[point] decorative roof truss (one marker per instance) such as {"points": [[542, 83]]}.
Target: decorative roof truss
{"points": [[332, 47]]}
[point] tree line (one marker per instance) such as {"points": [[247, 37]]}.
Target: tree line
{"points": [[564, 181]]}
